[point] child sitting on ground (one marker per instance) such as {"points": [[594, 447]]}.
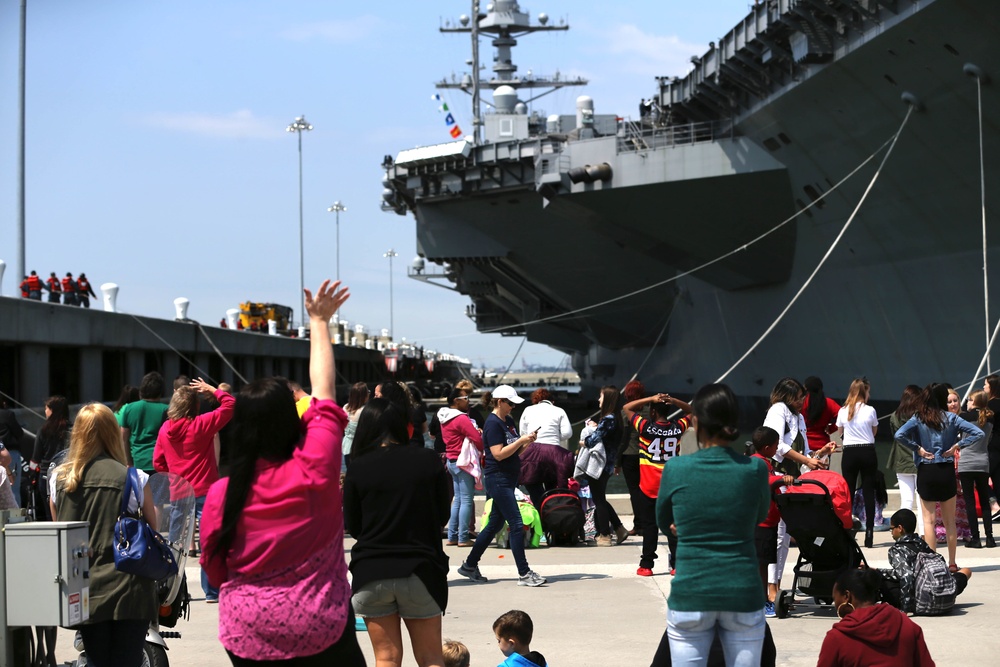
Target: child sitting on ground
{"points": [[513, 631], [456, 654], [900, 583], [765, 445]]}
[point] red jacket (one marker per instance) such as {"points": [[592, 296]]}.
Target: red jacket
{"points": [[185, 447], [456, 426], [876, 636], [53, 284], [816, 432], [34, 284], [69, 286]]}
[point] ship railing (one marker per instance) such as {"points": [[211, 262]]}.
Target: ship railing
{"points": [[637, 137]]}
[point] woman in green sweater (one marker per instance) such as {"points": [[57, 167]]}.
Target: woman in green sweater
{"points": [[713, 499]]}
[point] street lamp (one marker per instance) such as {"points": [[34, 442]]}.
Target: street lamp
{"points": [[298, 126], [390, 254], [336, 208]]}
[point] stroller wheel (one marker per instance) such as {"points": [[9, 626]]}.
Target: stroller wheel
{"points": [[783, 604]]}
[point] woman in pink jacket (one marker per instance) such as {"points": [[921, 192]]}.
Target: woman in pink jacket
{"points": [[456, 426], [186, 445], [273, 531]]}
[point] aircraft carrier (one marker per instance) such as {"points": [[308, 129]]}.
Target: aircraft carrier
{"points": [[554, 225]]}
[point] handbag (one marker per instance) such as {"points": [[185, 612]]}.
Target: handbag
{"points": [[138, 548]]}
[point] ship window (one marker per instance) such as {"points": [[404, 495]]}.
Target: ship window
{"points": [[64, 372], [814, 195], [951, 49], [772, 144], [506, 127], [891, 80], [784, 138], [113, 376], [801, 204]]}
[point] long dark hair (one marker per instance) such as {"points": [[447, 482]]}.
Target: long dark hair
{"points": [[933, 401], [57, 423], [717, 412], [787, 391], [380, 422], [266, 426], [817, 399], [908, 402], [993, 382], [609, 400], [129, 394], [357, 397]]}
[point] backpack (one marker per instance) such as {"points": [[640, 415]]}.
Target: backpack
{"points": [[935, 587]]}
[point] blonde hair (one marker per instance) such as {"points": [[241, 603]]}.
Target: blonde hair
{"points": [[183, 404], [857, 394], [456, 654], [95, 432], [979, 400]]}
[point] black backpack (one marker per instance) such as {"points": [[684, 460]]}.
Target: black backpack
{"points": [[562, 517]]}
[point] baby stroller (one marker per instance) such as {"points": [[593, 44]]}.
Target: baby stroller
{"points": [[562, 517], [826, 548]]}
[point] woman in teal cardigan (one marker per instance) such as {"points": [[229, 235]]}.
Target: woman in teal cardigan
{"points": [[713, 499]]}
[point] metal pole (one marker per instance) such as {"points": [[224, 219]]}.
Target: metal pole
{"points": [[22, 53], [302, 256], [337, 207], [475, 73], [392, 325]]}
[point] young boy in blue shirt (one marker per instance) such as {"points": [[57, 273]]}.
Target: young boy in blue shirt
{"points": [[513, 631]]}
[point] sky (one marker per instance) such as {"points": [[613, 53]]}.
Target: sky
{"points": [[157, 156]]}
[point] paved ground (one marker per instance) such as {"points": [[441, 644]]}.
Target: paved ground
{"points": [[595, 609]]}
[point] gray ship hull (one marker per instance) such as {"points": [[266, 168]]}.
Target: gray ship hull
{"points": [[900, 299]]}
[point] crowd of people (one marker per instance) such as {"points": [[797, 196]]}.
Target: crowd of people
{"points": [[72, 292], [274, 506]]}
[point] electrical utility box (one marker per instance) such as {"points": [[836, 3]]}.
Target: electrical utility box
{"points": [[48, 573]]}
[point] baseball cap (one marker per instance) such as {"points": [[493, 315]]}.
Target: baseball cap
{"points": [[507, 392]]}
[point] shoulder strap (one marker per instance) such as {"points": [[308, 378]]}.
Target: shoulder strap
{"points": [[131, 488]]}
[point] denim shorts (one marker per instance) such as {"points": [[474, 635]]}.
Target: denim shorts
{"points": [[407, 597]]}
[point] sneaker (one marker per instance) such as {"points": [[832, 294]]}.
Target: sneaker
{"points": [[603, 541], [769, 610], [621, 534], [471, 573], [973, 543], [212, 600], [990, 542], [644, 572], [673, 571], [531, 579]]}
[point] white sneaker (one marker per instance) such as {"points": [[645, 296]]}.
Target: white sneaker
{"points": [[531, 579]]}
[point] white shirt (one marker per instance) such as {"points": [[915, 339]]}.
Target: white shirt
{"points": [[133, 506], [553, 423], [788, 425], [858, 431]]}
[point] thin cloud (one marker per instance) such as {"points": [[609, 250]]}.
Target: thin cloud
{"points": [[343, 31], [655, 55], [240, 124]]}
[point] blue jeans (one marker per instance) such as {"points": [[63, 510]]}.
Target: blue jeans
{"points": [[501, 489], [691, 634], [462, 507]]}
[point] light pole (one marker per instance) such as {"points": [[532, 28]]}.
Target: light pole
{"points": [[336, 208], [390, 254], [298, 126]]}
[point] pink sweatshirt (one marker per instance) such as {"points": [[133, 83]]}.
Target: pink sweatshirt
{"points": [[456, 426], [186, 447], [283, 584]]}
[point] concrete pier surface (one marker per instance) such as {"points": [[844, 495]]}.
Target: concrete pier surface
{"points": [[595, 610]]}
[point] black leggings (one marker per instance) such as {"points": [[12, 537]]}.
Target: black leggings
{"points": [[605, 517], [861, 459], [651, 534], [111, 643], [971, 483], [345, 652], [630, 471]]}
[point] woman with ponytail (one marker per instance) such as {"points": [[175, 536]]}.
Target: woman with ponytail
{"points": [[273, 531], [713, 500]]}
